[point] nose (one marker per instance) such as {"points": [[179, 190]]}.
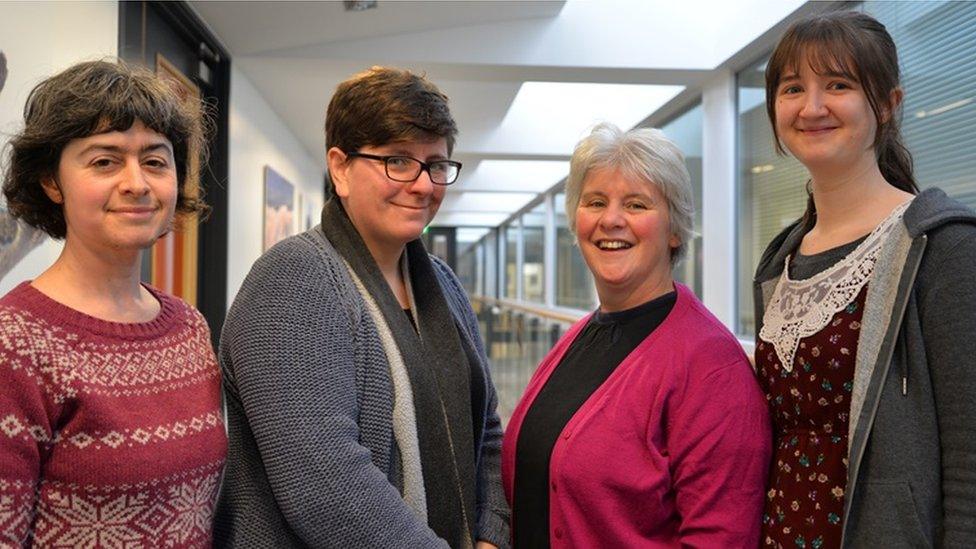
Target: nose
{"points": [[612, 218], [133, 180], [813, 105], [422, 185]]}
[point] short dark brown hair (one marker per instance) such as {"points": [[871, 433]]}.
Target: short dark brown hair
{"points": [[92, 98], [384, 105]]}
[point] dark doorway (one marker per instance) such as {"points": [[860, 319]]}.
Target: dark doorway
{"points": [[168, 38], [442, 242]]}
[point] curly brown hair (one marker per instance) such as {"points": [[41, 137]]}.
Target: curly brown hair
{"points": [[91, 98]]}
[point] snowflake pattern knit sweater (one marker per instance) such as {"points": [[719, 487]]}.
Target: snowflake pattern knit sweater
{"points": [[110, 434]]}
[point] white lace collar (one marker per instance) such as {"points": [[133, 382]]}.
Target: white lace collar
{"points": [[801, 308]]}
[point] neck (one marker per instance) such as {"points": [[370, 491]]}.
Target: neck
{"points": [[103, 285], [616, 299], [849, 196]]}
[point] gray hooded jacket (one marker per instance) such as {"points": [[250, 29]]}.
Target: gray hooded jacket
{"points": [[912, 439]]}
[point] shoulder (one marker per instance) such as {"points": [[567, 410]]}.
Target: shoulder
{"points": [[453, 291], [300, 279], [446, 277], [182, 312], [30, 337], [705, 345], [306, 252], [297, 270], [949, 261]]}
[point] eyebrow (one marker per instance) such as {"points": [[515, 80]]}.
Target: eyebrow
{"points": [[626, 196], [151, 147], [404, 152]]}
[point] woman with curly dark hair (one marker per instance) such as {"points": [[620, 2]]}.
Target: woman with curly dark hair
{"points": [[110, 424]]}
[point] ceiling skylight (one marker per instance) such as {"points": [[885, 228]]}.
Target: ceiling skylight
{"points": [[513, 175], [553, 116]]}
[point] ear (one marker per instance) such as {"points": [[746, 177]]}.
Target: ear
{"points": [[894, 101], [674, 241], [52, 190], [337, 162]]}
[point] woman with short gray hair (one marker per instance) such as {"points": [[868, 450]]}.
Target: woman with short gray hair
{"points": [[641, 153], [644, 425]]}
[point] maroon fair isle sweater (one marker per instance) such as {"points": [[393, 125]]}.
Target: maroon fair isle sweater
{"points": [[110, 434]]}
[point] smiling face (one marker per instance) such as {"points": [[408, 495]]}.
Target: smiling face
{"points": [[387, 214], [824, 120], [624, 234], [118, 189]]}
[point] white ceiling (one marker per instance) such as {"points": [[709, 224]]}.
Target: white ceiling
{"points": [[526, 79]]}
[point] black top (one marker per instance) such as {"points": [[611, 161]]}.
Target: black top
{"points": [[803, 267], [604, 342]]}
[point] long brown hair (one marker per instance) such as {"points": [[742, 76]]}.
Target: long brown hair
{"points": [[858, 46]]}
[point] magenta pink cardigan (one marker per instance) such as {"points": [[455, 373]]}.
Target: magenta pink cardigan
{"points": [[671, 451]]}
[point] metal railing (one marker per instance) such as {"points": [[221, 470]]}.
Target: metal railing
{"points": [[517, 337]]}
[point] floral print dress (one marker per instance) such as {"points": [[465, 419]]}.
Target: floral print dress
{"points": [[806, 353], [809, 407]]}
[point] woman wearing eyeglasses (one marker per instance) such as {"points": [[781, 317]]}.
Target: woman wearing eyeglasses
{"points": [[360, 409]]}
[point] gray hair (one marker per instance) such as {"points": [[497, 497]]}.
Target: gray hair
{"points": [[643, 154]]}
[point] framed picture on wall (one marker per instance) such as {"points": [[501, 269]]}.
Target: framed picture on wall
{"points": [[279, 208]]}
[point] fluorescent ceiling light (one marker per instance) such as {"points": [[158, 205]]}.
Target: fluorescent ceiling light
{"points": [[467, 235], [551, 117], [506, 203], [513, 175], [944, 108], [468, 219]]}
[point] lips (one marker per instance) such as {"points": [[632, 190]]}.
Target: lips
{"points": [[820, 130], [613, 245], [134, 209], [410, 207]]}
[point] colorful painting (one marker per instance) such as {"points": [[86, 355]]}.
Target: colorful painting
{"points": [[279, 208], [173, 258]]}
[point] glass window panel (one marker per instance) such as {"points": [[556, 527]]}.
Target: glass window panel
{"points": [[938, 64], [533, 262], [686, 132], [770, 187], [574, 283], [511, 252]]}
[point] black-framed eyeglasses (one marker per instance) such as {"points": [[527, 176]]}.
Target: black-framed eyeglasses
{"points": [[406, 169]]}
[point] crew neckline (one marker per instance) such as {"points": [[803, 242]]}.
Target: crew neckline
{"points": [[45, 306], [626, 315]]}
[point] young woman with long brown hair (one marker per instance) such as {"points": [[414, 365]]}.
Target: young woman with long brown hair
{"points": [[867, 309]]}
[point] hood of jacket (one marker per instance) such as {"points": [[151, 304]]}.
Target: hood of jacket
{"points": [[931, 209]]}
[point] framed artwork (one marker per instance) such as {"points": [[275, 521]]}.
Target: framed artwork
{"points": [[279, 208], [16, 238], [173, 258]]}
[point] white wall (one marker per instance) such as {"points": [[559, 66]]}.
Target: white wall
{"points": [[259, 138], [39, 39]]}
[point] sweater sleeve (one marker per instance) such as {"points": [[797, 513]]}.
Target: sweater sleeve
{"points": [[947, 304], [492, 509], [720, 442], [289, 350], [24, 428]]}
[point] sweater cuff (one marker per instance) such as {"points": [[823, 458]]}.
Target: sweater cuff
{"points": [[493, 528]]}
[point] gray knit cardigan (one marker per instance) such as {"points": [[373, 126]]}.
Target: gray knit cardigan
{"points": [[309, 411]]}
